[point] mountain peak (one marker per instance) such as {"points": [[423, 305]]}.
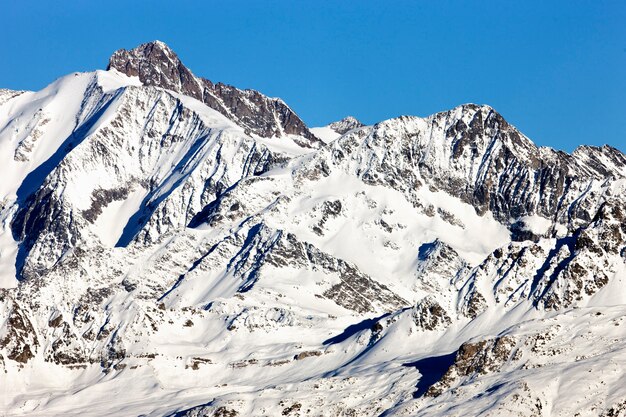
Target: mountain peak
{"points": [[346, 124], [148, 51], [157, 65], [159, 44]]}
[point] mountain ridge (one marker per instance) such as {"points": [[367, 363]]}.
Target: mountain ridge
{"points": [[156, 64], [160, 257]]}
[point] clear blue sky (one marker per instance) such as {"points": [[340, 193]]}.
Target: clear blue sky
{"points": [[555, 69]]}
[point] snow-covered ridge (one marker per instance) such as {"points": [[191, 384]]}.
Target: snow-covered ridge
{"points": [[335, 129], [161, 255]]}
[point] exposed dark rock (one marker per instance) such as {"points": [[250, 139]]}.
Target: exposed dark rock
{"points": [[196, 362], [329, 209], [20, 339], [307, 354], [56, 322], [449, 218], [476, 304], [617, 410], [225, 412], [291, 409], [101, 198], [520, 232], [356, 291], [475, 358], [429, 315], [491, 166]]}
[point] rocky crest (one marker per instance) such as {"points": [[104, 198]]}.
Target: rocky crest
{"points": [[157, 65], [473, 153], [345, 125]]}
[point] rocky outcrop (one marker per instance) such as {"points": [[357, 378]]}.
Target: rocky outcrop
{"points": [[6, 95], [345, 125], [428, 315], [476, 358], [19, 340], [150, 125], [355, 290]]}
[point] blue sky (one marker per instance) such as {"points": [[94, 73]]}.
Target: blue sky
{"points": [[555, 69]]}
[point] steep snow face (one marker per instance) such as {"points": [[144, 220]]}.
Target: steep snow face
{"points": [[160, 257], [325, 133], [157, 65], [36, 130], [144, 149]]}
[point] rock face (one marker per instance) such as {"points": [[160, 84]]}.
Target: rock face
{"points": [[157, 65], [163, 253]]}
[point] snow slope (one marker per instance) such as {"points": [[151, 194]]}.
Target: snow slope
{"points": [[325, 133]]}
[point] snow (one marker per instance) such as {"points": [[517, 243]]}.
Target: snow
{"points": [[209, 116], [325, 133], [112, 80], [285, 145], [63, 99], [8, 253], [110, 224], [536, 224]]}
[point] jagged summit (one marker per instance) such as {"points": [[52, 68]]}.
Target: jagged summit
{"points": [[346, 124], [146, 51], [156, 64]]}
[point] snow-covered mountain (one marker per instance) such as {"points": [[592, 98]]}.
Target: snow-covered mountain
{"points": [[171, 246]]}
